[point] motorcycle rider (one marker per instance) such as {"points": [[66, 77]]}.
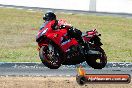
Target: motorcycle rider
{"points": [[72, 32]]}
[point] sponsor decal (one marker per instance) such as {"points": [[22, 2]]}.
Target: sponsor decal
{"points": [[82, 77], [65, 42]]}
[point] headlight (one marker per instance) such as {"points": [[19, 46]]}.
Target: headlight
{"points": [[44, 31]]}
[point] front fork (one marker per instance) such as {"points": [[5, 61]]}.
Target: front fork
{"points": [[40, 45]]}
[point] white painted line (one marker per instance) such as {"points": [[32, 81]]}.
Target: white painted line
{"points": [[1, 6], [30, 9], [19, 8]]}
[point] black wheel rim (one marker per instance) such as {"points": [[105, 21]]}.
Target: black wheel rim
{"points": [[52, 56]]}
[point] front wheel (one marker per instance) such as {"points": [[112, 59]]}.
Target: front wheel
{"points": [[50, 56], [97, 62]]}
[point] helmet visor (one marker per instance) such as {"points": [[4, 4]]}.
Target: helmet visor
{"points": [[44, 18]]}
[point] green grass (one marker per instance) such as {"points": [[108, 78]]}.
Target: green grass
{"points": [[17, 39]]}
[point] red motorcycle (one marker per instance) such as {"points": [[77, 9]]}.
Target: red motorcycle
{"points": [[56, 48]]}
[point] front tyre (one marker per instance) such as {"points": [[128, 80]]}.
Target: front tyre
{"points": [[97, 62], [50, 56]]}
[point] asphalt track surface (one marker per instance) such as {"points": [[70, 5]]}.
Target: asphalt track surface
{"points": [[38, 69]]}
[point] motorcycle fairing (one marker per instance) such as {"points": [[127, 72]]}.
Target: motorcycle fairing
{"points": [[67, 44], [57, 37]]}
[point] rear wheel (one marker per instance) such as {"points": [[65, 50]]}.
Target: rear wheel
{"points": [[97, 62], [50, 56]]}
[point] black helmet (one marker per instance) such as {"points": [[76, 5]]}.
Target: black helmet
{"points": [[49, 16]]}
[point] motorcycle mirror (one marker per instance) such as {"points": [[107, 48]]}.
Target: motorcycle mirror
{"points": [[94, 29], [99, 35]]}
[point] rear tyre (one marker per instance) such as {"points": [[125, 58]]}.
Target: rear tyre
{"points": [[97, 62], [50, 56]]}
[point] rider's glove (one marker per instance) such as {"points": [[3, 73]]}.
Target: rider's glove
{"points": [[55, 25]]}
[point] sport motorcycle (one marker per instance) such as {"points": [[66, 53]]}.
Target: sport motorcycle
{"points": [[56, 48]]}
